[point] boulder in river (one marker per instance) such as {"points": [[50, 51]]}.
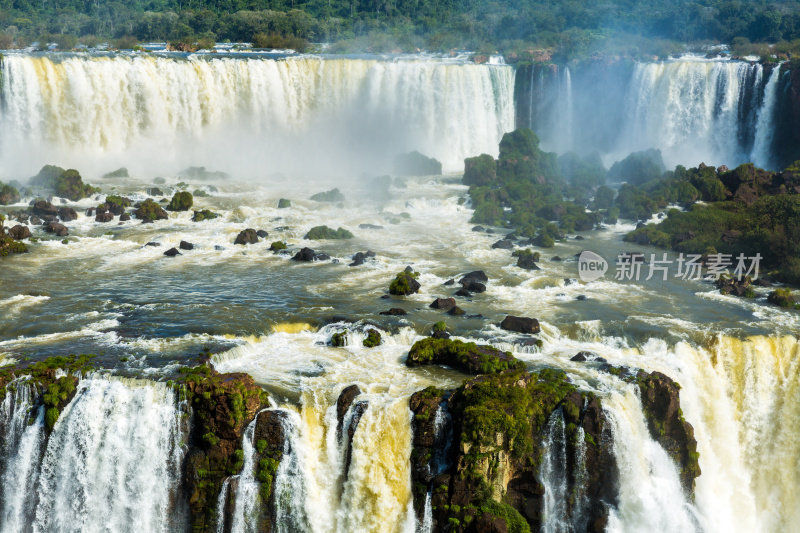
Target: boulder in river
{"points": [[360, 257], [334, 195], [67, 214], [520, 324], [394, 311], [149, 211], [57, 229], [456, 311], [104, 217], [443, 303], [181, 201], [464, 356], [19, 232], [416, 164], [504, 244], [284, 203], [186, 245], [248, 236], [44, 208], [404, 283], [325, 233], [172, 252], [261, 233]]}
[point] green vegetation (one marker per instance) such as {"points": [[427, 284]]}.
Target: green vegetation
{"points": [[530, 29], [404, 283], [440, 326], [515, 522], [277, 246], [149, 211], [283, 203], [324, 232], [339, 339], [8, 245], [8, 194], [203, 214], [373, 339], [64, 183], [746, 211], [465, 356], [782, 298], [181, 201], [525, 189], [638, 167]]}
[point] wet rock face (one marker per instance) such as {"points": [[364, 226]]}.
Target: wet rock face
{"points": [[348, 415], [662, 408], [520, 324], [248, 236], [19, 232], [222, 406], [57, 229]]}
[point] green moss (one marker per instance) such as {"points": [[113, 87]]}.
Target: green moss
{"points": [[283, 203], [781, 297], [468, 357], [200, 193], [277, 246], [404, 283], [440, 326], [150, 211], [515, 522], [210, 439], [324, 232], [203, 214], [373, 339], [181, 201], [339, 339]]}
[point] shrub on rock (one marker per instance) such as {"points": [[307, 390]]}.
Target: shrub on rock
{"points": [[149, 211], [181, 201], [404, 283]]}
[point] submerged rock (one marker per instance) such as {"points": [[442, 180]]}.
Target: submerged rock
{"points": [[394, 311], [149, 211], [172, 252], [261, 233], [334, 195], [283, 203], [325, 233], [56, 228]]}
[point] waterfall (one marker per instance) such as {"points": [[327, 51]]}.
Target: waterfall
{"points": [[290, 483], [555, 517], [692, 109], [765, 129], [247, 115], [247, 503], [112, 462], [22, 424], [651, 497]]}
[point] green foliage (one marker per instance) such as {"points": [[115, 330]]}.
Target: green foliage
{"points": [[339, 339], [64, 183], [440, 326], [149, 210], [11, 246], [318, 233], [181, 201], [467, 357], [203, 214], [782, 298], [277, 246], [480, 170], [210, 439], [638, 167], [8, 194], [404, 283], [515, 522], [373, 339]]}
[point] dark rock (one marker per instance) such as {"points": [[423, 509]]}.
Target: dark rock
{"points": [[443, 303], [477, 275], [464, 356], [334, 195], [36, 221], [556, 259], [360, 257], [104, 217], [154, 191], [67, 214], [44, 208], [735, 286], [306, 254], [440, 335], [321, 256], [172, 252], [404, 283], [504, 244], [56, 228], [528, 261], [579, 357], [480, 229], [186, 245], [19, 232], [248, 236], [520, 324], [449, 282], [343, 403], [570, 281], [124, 217], [152, 243], [150, 211], [474, 286], [456, 311], [218, 248], [464, 293], [394, 311], [581, 298], [369, 226], [263, 234]]}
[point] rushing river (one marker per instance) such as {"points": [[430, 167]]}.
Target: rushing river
{"points": [[107, 293]]}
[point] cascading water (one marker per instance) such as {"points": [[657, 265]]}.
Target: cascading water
{"points": [[246, 509], [112, 461], [250, 116], [692, 109]]}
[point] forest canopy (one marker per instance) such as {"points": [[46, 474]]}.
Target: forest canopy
{"points": [[570, 27]]}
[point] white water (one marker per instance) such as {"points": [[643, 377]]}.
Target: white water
{"points": [[762, 156], [248, 499], [555, 517], [111, 463], [251, 117]]}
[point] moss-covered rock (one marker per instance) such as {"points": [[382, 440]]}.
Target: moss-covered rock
{"points": [[480, 170], [339, 339], [247, 236], [150, 211], [203, 214], [416, 164], [8, 194], [284, 203], [782, 298], [222, 406], [9, 244], [277, 246], [318, 233], [64, 183], [485, 473], [181, 201], [115, 204], [121, 172], [372, 339], [467, 357], [332, 196], [404, 283]]}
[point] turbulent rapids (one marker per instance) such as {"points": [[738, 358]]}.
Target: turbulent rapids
{"points": [[235, 389]]}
